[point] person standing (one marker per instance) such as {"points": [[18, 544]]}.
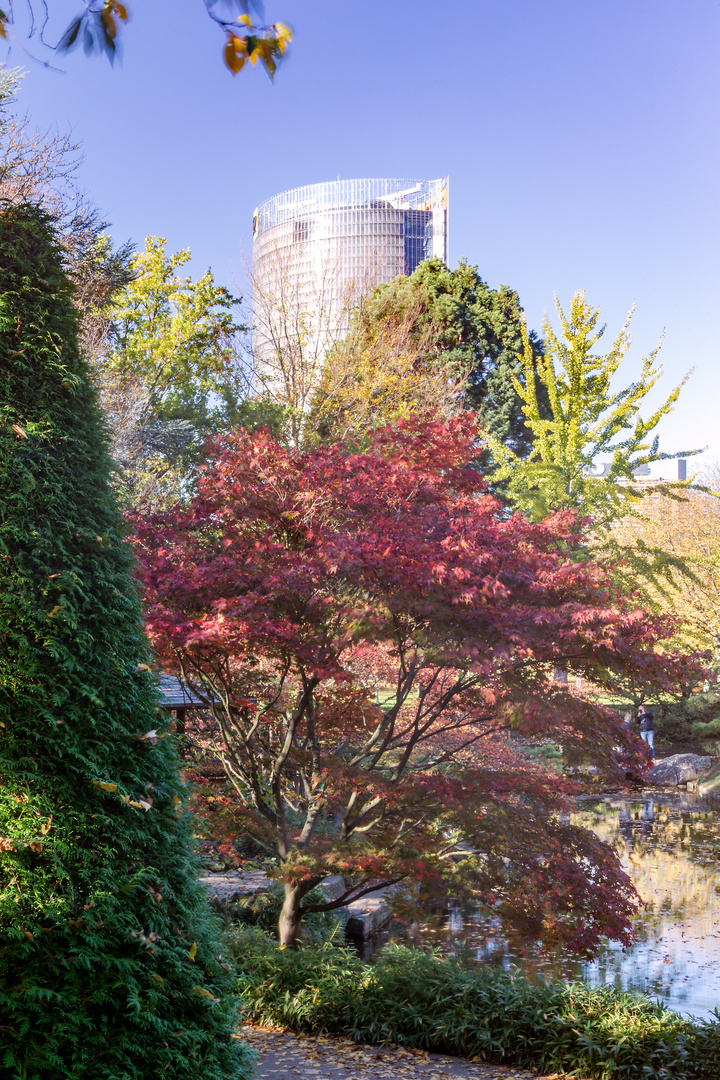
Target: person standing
{"points": [[647, 728]]}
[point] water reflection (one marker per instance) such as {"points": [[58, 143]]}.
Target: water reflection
{"points": [[670, 847]]}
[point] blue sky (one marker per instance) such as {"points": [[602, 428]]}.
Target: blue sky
{"points": [[581, 141]]}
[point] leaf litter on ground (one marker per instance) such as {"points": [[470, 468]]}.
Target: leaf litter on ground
{"points": [[299, 1057]]}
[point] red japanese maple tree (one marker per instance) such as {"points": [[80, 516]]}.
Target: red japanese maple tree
{"points": [[365, 628]]}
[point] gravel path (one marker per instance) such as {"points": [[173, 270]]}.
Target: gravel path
{"points": [[298, 1057]]}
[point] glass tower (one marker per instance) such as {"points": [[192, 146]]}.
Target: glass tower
{"points": [[327, 244]]}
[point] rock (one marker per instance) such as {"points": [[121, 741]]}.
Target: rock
{"points": [[333, 887], [368, 914], [234, 884], [363, 917], [679, 769]]}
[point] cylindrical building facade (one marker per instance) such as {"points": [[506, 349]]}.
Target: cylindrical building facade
{"points": [[320, 247]]}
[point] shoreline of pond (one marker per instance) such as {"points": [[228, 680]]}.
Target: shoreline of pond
{"points": [[669, 841]]}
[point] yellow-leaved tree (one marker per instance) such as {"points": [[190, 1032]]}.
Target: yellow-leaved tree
{"points": [[169, 367], [382, 371], [588, 420], [688, 530]]}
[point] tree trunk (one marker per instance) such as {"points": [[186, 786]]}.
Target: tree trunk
{"points": [[289, 922]]}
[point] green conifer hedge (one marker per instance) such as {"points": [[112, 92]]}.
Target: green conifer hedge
{"points": [[109, 964]]}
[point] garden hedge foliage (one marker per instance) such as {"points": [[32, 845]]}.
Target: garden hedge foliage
{"points": [[109, 962], [435, 1003]]}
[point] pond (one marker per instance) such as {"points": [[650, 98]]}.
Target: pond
{"points": [[670, 847]]}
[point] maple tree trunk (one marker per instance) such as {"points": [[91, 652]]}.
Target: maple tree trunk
{"points": [[289, 922]]}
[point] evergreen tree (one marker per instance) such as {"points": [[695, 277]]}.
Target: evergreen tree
{"points": [[109, 964], [466, 329]]}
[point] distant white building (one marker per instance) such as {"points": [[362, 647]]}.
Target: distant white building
{"points": [[316, 249]]}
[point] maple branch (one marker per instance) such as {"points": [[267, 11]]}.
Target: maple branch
{"points": [[401, 829], [309, 827], [233, 766], [420, 727], [344, 824], [251, 778], [452, 753], [385, 728], [351, 895]]}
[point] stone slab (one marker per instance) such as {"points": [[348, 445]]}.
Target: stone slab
{"points": [[369, 914], [333, 887], [363, 917], [231, 885]]}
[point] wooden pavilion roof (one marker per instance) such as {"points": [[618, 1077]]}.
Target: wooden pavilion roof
{"points": [[174, 695]]}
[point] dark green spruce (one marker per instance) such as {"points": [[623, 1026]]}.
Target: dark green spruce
{"points": [[109, 961]]}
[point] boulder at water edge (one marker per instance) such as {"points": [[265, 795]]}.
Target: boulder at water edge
{"points": [[679, 769]]}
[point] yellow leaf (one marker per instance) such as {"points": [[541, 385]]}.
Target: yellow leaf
{"points": [[18, 430], [283, 31], [158, 978], [193, 951], [104, 786], [150, 738], [137, 804], [53, 613], [234, 54], [108, 22], [45, 829], [120, 10], [245, 19], [143, 667]]}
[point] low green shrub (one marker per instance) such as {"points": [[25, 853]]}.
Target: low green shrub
{"points": [[435, 1003], [693, 723]]}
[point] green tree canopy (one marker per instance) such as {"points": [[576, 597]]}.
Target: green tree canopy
{"points": [[446, 323]]}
